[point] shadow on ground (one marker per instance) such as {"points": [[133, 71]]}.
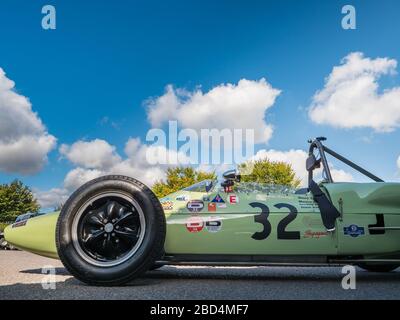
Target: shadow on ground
{"points": [[219, 283], [248, 274]]}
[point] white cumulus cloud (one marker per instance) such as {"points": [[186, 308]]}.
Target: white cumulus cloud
{"points": [[97, 158], [51, 198], [95, 154], [351, 96], [78, 176], [24, 140], [339, 175], [233, 106]]}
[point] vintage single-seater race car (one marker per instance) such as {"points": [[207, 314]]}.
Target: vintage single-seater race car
{"points": [[114, 228]]}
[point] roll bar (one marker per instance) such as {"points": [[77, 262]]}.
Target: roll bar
{"points": [[313, 163]]}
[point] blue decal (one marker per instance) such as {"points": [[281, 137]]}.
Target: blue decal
{"points": [[354, 230], [218, 199]]}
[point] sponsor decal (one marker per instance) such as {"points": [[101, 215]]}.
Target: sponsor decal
{"points": [[353, 230], [314, 234], [182, 197], [233, 199], [19, 224], [167, 205], [218, 199], [212, 207], [214, 224], [307, 203], [194, 224], [195, 205]]}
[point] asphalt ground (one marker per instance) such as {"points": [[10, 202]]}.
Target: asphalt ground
{"points": [[21, 277]]}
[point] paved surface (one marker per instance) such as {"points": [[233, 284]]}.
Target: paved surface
{"points": [[21, 278]]}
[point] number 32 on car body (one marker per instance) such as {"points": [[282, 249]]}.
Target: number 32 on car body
{"points": [[262, 218]]}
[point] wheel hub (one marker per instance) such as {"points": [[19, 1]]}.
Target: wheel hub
{"points": [[109, 227]]}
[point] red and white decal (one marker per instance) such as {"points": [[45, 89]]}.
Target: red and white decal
{"points": [[194, 224], [233, 199], [212, 207], [315, 234]]}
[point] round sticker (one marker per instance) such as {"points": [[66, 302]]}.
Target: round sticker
{"points": [[194, 224], [195, 205], [214, 224]]}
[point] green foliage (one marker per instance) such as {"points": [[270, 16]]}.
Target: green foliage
{"points": [[16, 199], [266, 171], [3, 226], [178, 178]]}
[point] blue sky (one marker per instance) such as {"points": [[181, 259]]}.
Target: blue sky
{"points": [[107, 57]]}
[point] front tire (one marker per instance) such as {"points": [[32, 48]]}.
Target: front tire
{"points": [[110, 231]]}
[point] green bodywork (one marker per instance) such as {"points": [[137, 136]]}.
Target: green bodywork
{"points": [[293, 225]]}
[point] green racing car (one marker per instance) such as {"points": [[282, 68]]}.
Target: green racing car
{"points": [[113, 229]]}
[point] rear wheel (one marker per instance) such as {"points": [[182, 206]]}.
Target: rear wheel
{"points": [[110, 231], [378, 267]]}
